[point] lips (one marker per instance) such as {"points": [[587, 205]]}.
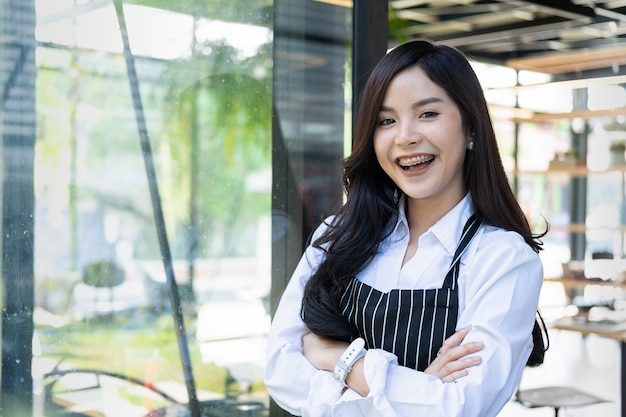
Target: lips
{"points": [[407, 163]]}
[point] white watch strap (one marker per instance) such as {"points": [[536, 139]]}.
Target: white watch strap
{"points": [[344, 364]]}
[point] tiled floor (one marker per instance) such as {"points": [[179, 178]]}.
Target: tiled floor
{"points": [[591, 364]]}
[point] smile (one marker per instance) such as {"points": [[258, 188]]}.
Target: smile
{"points": [[406, 163]]}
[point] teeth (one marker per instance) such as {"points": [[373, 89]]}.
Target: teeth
{"points": [[416, 160]]}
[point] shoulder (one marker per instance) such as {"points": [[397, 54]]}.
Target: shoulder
{"points": [[493, 234], [501, 259], [504, 247]]}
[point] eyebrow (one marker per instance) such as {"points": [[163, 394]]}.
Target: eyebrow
{"points": [[417, 104]]}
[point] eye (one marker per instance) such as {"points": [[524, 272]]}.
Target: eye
{"points": [[428, 114], [386, 121]]}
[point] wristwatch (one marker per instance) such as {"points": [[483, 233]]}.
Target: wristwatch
{"points": [[344, 364]]}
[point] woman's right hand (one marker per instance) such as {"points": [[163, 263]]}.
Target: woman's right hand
{"points": [[453, 360], [321, 352]]}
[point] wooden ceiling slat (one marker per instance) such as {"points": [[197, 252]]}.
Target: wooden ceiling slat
{"points": [[557, 63], [525, 115], [565, 37]]}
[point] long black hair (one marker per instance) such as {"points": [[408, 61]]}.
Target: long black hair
{"points": [[353, 238]]}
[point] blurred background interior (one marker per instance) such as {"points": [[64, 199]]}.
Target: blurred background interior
{"points": [[163, 164]]}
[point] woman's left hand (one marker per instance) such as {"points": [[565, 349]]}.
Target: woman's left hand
{"points": [[454, 358], [321, 352]]}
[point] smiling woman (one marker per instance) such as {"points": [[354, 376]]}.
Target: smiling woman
{"points": [[430, 263], [420, 143]]}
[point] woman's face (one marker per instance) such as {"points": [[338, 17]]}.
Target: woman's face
{"points": [[420, 141]]}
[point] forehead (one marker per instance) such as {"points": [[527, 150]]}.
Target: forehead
{"points": [[413, 83]]}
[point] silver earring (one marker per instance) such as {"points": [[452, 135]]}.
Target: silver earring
{"points": [[396, 196], [470, 145]]}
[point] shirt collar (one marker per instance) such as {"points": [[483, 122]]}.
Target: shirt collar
{"points": [[448, 229]]}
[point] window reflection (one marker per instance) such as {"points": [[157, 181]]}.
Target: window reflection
{"points": [[102, 289], [104, 338]]}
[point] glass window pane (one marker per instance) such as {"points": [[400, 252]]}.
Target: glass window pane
{"points": [[140, 193], [102, 271]]}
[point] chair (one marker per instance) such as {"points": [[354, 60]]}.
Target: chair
{"points": [[104, 274], [556, 397]]}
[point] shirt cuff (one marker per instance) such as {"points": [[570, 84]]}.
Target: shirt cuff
{"points": [[376, 368], [325, 392]]}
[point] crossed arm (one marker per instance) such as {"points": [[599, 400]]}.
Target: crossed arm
{"points": [[451, 364]]}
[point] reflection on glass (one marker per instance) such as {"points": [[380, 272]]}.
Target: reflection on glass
{"points": [[232, 112], [105, 340]]}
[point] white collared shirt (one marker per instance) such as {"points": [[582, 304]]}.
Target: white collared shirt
{"points": [[499, 284]]}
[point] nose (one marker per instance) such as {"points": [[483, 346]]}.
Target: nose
{"points": [[408, 134]]}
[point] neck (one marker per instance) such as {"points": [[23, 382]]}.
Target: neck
{"points": [[422, 214]]}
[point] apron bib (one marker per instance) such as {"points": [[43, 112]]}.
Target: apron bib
{"points": [[412, 324]]}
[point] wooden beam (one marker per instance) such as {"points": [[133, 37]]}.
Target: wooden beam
{"points": [[525, 115], [562, 62], [573, 84]]}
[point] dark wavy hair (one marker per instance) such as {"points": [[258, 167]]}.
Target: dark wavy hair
{"points": [[353, 238]]}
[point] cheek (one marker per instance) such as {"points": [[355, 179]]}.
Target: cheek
{"points": [[457, 143], [456, 156]]}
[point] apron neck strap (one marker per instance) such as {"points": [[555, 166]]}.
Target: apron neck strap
{"points": [[469, 230]]}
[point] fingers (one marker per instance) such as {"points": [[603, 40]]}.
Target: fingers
{"points": [[448, 369], [457, 352], [456, 338], [454, 376], [451, 345], [458, 368], [455, 357]]}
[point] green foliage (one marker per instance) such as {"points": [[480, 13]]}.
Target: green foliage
{"points": [[217, 134], [209, 124], [397, 26], [100, 344]]}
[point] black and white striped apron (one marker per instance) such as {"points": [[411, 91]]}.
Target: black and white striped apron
{"points": [[412, 324]]}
